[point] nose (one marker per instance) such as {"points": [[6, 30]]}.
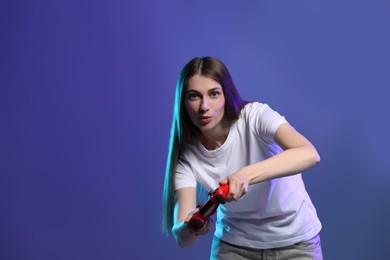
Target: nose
{"points": [[205, 105]]}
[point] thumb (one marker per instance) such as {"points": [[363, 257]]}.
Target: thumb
{"points": [[224, 181]]}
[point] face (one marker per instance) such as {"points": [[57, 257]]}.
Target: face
{"points": [[205, 103]]}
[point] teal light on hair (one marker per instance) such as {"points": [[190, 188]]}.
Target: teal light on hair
{"points": [[173, 156]]}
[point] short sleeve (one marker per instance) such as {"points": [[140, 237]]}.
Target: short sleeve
{"points": [[184, 176], [264, 121]]}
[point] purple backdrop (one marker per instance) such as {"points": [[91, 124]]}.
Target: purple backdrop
{"points": [[86, 95]]}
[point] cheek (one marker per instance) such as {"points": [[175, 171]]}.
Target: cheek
{"points": [[189, 106], [190, 110], [221, 106]]}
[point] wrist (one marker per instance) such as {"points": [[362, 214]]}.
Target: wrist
{"points": [[251, 174], [182, 234]]}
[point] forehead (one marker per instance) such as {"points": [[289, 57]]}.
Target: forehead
{"points": [[201, 83]]}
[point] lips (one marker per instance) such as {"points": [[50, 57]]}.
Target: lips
{"points": [[205, 119]]}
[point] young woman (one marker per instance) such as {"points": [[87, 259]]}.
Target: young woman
{"points": [[217, 138]]}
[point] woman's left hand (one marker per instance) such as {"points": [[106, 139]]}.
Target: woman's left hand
{"points": [[238, 186]]}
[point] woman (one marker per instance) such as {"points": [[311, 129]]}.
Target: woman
{"points": [[217, 138]]}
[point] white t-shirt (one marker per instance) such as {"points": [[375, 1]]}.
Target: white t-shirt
{"points": [[273, 213]]}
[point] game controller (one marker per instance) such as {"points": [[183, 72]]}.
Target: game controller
{"points": [[206, 210]]}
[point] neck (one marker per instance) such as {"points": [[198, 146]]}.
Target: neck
{"points": [[212, 141]]}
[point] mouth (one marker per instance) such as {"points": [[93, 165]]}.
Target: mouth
{"points": [[205, 119]]}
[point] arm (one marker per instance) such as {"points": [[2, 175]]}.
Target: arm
{"points": [[185, 205], [298, 155]]}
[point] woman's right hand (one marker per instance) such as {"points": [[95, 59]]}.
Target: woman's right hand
{"points": [[184, 209], [201, 231]]}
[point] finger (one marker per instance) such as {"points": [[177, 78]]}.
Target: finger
{"points": [[223, 182], [237, 189], [190, 215], [230, 194], [208, 223], [204, 230], [241, 186]]}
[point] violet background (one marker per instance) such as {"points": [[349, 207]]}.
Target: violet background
{"points": [[86, 102]]}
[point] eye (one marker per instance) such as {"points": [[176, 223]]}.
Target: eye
{"points": [[192, 96], [215, 93]]}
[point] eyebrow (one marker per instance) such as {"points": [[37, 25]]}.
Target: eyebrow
{"points": [[210, 90]]}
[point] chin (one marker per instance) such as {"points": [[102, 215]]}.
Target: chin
{"points": [[205, 128]]}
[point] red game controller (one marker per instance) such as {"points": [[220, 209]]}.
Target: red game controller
{"points": [[204, 211]]}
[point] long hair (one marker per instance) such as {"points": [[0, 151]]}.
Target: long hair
{"points": [[184, 131]]}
